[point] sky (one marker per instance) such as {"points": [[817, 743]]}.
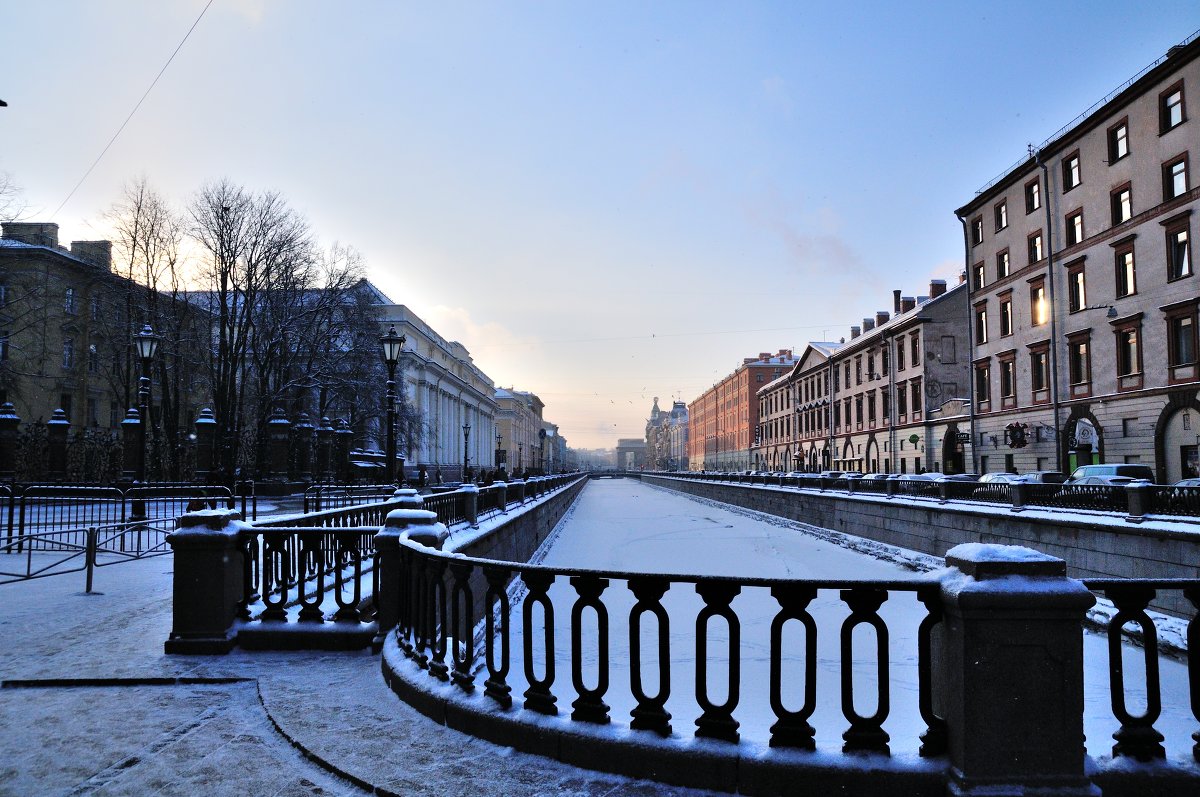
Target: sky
{"points": [[604, 202]]}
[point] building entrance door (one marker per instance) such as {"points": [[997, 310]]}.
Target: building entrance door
{"points": [[1189, 462]]}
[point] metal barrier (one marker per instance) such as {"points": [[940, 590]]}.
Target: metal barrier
{"points": [[451, 508], [1184, 501], [332, 496], [1109, 498], [52, 553]]}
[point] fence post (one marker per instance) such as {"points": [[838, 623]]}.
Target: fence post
{"points": [[57, 428], [279, 432], [342, 438], [501, 489], [209, 581], [131, 445], [90, 554], [471, 504], [324, 450], [9, 421], [409, 520], [302, 441], [1011, 672], [206, 435], [1018, 493]]}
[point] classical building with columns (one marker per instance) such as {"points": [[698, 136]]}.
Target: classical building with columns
{"points": [[453, 398], [522, 431]]}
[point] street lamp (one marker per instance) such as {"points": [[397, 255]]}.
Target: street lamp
{"points": [[498, 436], [147, 344], [466, 442], [392, 345]]}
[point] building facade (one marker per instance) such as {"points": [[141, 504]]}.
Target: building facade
{"points": [[454, 399], [1083, 292], [521, 428], [722, 421], [886, 400]]}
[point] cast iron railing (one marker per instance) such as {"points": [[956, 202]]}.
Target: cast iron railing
{"points": [[439, 608], [332, 496]]}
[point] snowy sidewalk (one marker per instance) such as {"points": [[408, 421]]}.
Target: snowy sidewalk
{"points": [[92, 705]]}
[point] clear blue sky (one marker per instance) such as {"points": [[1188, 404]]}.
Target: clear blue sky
{"points": [[604, 202]]}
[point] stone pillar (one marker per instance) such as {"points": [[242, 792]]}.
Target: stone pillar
{"points": [[1140, 498], [516, 488], [1018, 493], [279, 430], [411, 521], [57, 429], [342, 437], [9, 423], [209, 581], [206, 436], [1012, 673], [471, 499], [131, 448], [325, 450], [302, 445], [501, 489]]}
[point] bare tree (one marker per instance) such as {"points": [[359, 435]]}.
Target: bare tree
{"points": [[12, 207], [253, 244]]}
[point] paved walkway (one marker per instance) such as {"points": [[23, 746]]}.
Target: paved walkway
{"points": [[91, 705]]}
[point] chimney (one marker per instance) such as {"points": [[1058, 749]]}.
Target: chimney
{"points": [[882, 317], [896, 301], [764, 355], [962, 277], [33, 233], [855, 332], [907, 303], [936, 288], [868, 324], [784, 353], [98, 253]]}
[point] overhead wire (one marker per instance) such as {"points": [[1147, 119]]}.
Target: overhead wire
{"points": [[145, 94]]}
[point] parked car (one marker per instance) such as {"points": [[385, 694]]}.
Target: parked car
{"points": [[1042, 477], [1106, 480], [999, 477], [1187, 483], [1143, 472]]}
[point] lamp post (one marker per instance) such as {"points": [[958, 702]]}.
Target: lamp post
{"points": [[521, 458], [147, 344], [392, 345], [466, 443], [498, 436]]}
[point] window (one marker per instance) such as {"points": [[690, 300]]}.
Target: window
{"points": [[1075, 228], [68, 353], [983, 383], [1006, 318], [1076, 293], [1033, 196], [93, 361], [1039, 370], [1175, 177], [94, 305], [900, 356], [916, 351], [1179, 261], [1001, 213], [871, 407], [1126, 273], [1070, 171], [977, 231], [916, 396], [871, 373], [980, 279], [1118, 141], [1121, 201], [1037, 302], [858, 370], [1002, 264], [1129, 355], [981, 323], [1181, 339], [901, 400], [1034, 245], [1171, 110], [4, 333], [1079, 363], [1008, 380], [69, 301]]}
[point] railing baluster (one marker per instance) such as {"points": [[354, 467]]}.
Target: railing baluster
{"points": [[1136, 736], [590, 705], [1193, 664], [792, 728], [462, 626], [865, 733], [436, 585], [650, 713], [421, 612], [717, 722], [933, 741], [312, 562], [538, 696], [496, 686], [275, 575], [347, 554]]}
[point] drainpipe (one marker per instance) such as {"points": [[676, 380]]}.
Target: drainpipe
{"points": [[970, 341], [1055, 399]]}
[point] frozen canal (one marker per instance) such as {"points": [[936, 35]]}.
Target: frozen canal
{"points": [[625, 525]]}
